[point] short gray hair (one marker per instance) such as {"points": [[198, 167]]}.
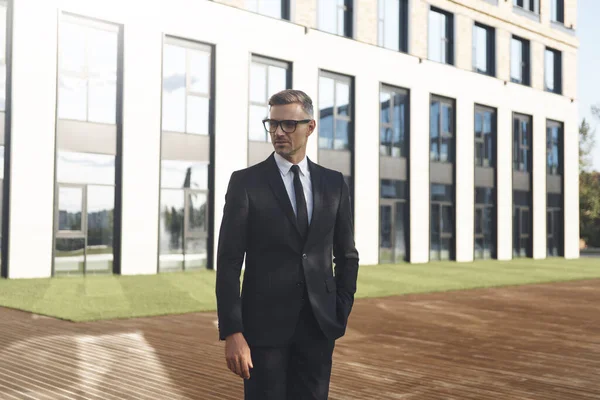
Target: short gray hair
{"points": [[290, 96]]}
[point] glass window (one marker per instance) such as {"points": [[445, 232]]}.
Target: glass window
{"points": [[441, 131], [529, 5], [270, 8], [184, 174], [335, 16], [186, 87], [267, 77], [393, 122], [87, 82], [553, 148], [521, 143], [100, 228], [485, 137], [557, 12], [393, 24], [70, 208], [484, 223], [442, 221], [519, 61], [335, 112], [483, 49], [85, 168], [440, 36], [553, 71]]}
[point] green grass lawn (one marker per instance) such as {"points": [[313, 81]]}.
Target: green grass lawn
{"points": [[103, 297]]}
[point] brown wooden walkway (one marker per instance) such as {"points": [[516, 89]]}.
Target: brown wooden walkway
{"points": [[530, 342]]}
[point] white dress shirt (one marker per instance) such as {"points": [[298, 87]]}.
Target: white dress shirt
{"points": [[288, 180]]}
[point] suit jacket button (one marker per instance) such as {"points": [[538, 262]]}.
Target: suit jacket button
{"points": [[304, 256]]}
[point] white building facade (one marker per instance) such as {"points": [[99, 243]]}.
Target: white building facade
{"points": [[454, 122]]}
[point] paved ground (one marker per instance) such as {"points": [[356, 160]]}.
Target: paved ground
{"points": [[530, 342]]}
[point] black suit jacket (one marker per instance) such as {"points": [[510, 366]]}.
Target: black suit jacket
{"points": [[259, 222]]}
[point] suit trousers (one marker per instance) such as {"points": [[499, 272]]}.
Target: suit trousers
{"points": [[299, 371]]}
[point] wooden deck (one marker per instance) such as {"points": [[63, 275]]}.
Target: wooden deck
{"points": [[530, 342]]}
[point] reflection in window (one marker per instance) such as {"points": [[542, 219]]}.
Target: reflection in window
{"points": [[485, 136], [393, 221], [85, 210], [87, 82], [484, 223], [522, 224], [529, 5], [393, 122], [335, 112], [442, 221], [521, 143], [183, 234], [553, 148], [557, 12], [335, 16], [267, 77], [441, 27], [441, 132], [186, 87]]}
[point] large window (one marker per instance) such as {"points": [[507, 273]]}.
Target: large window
{"points": [[87, 81], [267, 77], [553, 71], [185, 195], [441, 130], [529, 5], [557, 11], [183, 215], [393, 217], [520, 66], [393, 24], [85, 213], [485, 136], [554, 148], [441, 245], [441, 36], [522, 223], [522, 143], [335, 16], [393, 122], [554, 225], [186, 87], [335, 112], [271, 8], [484, 49], [485, 238]]}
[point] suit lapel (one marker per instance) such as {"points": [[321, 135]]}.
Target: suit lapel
{"points": [[316, 178], [278, 188]]}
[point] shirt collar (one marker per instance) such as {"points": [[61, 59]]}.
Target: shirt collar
{"points": [[285, 166]]}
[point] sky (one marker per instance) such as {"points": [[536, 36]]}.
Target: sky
{"points": [[588, 74]]}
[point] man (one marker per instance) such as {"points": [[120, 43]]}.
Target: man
{"points": [[287, 215]]}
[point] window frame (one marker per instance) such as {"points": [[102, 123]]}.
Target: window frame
{"points": [[267, 62], [485, 236], [403, 28], [519, 151], [557, 7], [448, 39], [490, 52], [336, 117], [451, 157], [348, 13], [194, 46], [285, 9], [525, 61], [532, 6], [86, 75], [557, 77], [481, 142], [393, 91]]}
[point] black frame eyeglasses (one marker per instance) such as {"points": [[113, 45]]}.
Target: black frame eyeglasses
{"points": [[287, 125]]}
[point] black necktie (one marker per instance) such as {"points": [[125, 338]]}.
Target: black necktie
{"points": [[301, 210]]}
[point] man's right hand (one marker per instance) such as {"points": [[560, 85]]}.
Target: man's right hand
{"points": [[237, 354]]}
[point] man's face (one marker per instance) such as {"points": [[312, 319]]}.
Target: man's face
{"points": [[288, 144]]}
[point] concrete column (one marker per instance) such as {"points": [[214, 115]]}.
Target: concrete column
{"points": [[33, 138]]}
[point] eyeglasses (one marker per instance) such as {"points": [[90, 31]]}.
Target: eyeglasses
{"points": [[287, 125]]}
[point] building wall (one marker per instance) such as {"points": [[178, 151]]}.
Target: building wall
{"points": [[34, 93]]}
